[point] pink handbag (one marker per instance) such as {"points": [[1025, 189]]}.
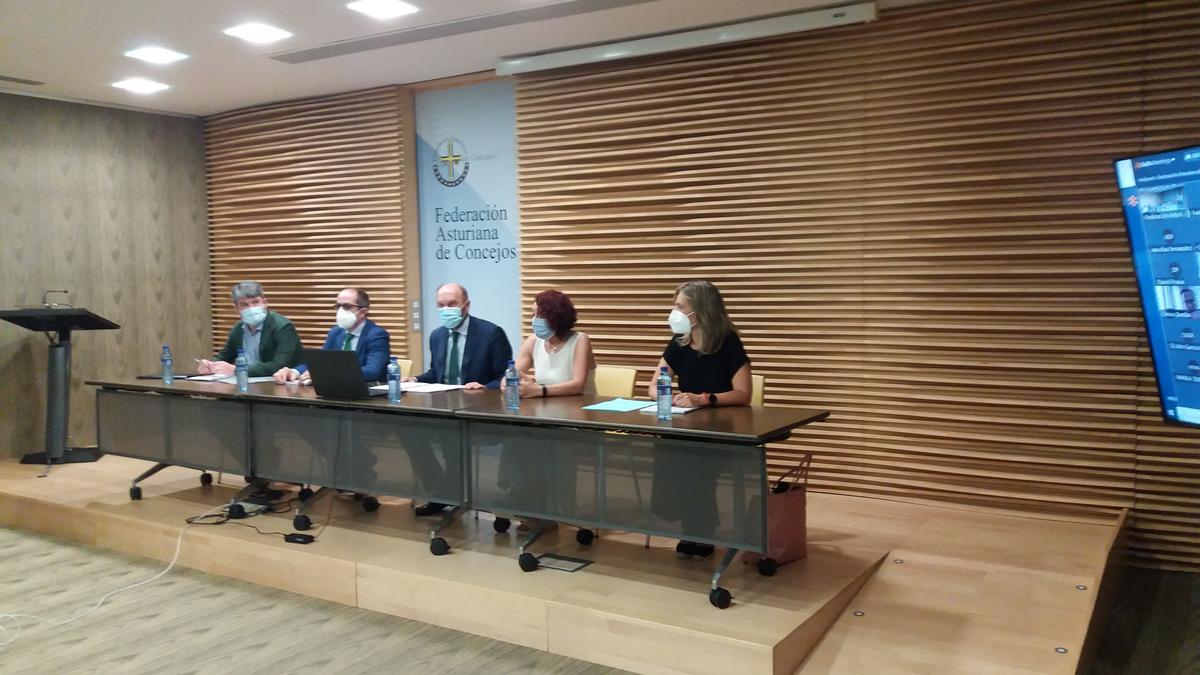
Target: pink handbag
{"points": [[787, 527]]}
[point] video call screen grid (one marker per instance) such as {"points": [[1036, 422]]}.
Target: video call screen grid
{"points": [[1160, 194]]}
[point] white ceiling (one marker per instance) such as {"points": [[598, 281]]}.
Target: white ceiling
{"points": [[76, 47]]}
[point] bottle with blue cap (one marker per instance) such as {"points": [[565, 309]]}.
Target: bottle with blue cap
{"points": [[512, 387], [393, 379], [242, 371], [168, 365], [664, 394]]}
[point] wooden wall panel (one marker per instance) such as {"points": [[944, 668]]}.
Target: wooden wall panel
{"points": [[108, 204], [915, 225], [308, 197]]}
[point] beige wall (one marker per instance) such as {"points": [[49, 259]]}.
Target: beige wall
{"points": [[110, 205], [915, 225]]}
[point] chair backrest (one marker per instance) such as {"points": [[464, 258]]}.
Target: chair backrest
{"points": [[757, 384], [615, 381], [405, 367]]}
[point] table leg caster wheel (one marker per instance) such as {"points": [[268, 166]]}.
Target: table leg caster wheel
{"points": [[720, 598], [438, 546], [767, 567], [501, 525], [585, 536], [528, 562], [206, 479], [135, 493], [306, 494], [370, 504], [301, 522]]}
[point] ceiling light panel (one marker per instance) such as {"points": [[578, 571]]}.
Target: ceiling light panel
{"points": [[140, 85], [258, 33], [382, 9], [159, 55]]}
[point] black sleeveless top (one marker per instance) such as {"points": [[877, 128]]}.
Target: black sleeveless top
{"points": [[706, 373]]}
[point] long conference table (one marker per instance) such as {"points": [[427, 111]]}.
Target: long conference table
{"points": [[700, 476]]}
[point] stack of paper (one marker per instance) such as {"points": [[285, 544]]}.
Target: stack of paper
{"points": [[229, 379]]}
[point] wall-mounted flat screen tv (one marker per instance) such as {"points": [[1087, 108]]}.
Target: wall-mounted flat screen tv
{"points": [[1161, 197]]}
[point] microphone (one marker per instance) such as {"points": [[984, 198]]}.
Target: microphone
{"points": [[51, 305]]}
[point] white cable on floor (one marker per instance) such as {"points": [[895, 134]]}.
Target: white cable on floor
{"points": [[8, 637]]}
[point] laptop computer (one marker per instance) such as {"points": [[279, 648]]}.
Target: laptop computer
{"points": [[336, 374]]}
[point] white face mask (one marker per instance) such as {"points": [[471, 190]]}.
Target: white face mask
{"points": [[346, 319], [679, 322], [254, 316]]}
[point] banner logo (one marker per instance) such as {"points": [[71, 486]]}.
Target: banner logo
{"points": [[452, 164]]}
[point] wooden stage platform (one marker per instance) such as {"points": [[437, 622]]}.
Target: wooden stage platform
{"points": [[888, 587]]}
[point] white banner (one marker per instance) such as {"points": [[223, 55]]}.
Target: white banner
{"points": [[467, 157]]}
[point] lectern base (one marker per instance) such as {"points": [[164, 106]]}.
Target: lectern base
{"points": [[71, 456]]}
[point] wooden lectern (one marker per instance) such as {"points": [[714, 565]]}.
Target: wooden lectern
{"points": [[57, 324]]}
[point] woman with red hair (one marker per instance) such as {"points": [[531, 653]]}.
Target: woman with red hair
{"points": [[561, 357], [563, 365]]}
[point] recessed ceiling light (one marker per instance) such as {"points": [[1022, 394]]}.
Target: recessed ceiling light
{"points": [[155, 55], [258, 33], [140, 85], [382, 9]]}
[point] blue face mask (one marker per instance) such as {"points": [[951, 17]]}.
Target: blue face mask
{"points": [[450, 316], [254, 316], [541, 328]]}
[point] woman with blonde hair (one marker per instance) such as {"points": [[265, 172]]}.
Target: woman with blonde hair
{"points": [[707, 356]]}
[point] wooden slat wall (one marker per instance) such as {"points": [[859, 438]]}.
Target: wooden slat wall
{"points": [[915, 225], [308, 197], [109, 205]]}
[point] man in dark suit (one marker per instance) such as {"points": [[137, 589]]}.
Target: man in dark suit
{"points": [[464, 350], [268, 339], [353, 332]]}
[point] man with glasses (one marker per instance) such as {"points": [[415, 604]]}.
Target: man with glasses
{"points": [[353, 332], [268, 339]]}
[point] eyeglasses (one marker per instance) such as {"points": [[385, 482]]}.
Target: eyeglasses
{"points": [[346, 306]]}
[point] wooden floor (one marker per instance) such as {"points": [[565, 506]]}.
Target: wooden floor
{"points": [[975, 591], [191, 622]]}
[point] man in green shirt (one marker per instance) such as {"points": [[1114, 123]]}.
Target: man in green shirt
{"points": [[268, 339]]}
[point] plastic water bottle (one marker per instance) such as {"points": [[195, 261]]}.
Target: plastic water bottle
{"points": [[664, 394], [393, 374], [512, 387], [168, 365], [241, 371]]}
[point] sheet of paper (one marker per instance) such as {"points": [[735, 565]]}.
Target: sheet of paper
{"points": [[428, 387], [616, 405], [420, 387], [675, 410]]}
